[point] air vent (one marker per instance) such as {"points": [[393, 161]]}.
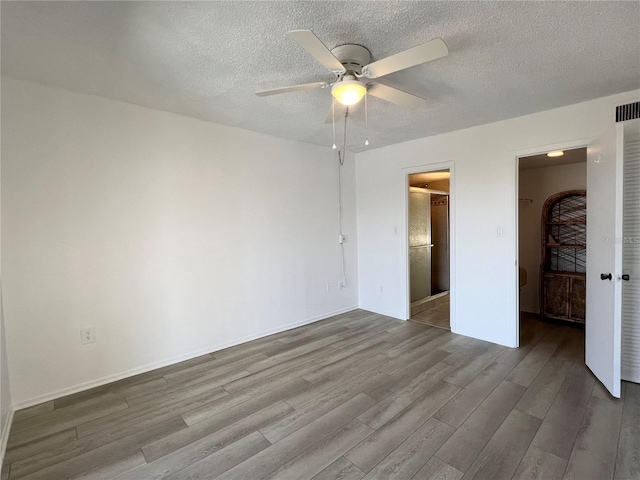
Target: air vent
{"points": [[628, 112]]}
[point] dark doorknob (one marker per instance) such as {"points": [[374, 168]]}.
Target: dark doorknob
{"points": [[606, 276], [625, 277]]}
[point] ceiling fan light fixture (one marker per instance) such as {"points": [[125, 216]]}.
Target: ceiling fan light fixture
{"points": [[348, 92]]}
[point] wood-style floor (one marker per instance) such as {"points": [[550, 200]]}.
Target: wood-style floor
{"points": [[355, 396], [437, 316]]}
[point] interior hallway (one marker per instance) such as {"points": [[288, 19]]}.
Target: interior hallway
{"points": [[356, 395]]}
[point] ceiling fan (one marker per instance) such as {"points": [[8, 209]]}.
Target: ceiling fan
{"points": [[351, 64]]}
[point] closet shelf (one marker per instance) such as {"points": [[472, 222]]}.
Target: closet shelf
{"points": [[568, 222], [551, 245]]}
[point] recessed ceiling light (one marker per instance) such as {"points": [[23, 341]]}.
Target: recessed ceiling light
{"points": [[555, 153]]}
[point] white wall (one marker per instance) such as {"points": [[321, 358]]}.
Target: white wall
{"points": [[484, 277], [538, 184], [171, 236], [6, 405]]}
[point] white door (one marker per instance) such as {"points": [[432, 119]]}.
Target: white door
{"points": [[604, 258], [631, 254]]}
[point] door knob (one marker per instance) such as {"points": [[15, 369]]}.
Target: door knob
{"points": [[625, 277], [606, 276]]}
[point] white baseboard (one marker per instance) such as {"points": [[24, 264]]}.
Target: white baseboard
{"points": [[181, 358], [6, 428], [381, 312]]}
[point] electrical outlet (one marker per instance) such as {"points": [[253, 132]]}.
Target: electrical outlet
{"points": [[343, 282], [342, 238], [500, 231], [88, 335]]}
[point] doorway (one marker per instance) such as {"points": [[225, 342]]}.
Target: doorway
{"points": [[430, 248], [552, 240], [612, 161]]}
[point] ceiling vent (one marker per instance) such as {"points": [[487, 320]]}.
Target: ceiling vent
{"points": [[628, 112]]}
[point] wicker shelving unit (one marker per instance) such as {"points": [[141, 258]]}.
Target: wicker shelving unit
{"points": [[563, 261]]}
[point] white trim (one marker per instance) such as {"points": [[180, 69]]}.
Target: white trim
{"points": [[516, 224], [147, 368], [6, 428], [540, 149], [431, 167], [617, 266], [385, 313], [518, 154], [427, 190]]}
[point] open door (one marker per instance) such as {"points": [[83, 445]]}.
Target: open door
{"points": [[604, 258]]}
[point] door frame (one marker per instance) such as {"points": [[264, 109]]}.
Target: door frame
{"points": [[431, 167], [517, 154]]}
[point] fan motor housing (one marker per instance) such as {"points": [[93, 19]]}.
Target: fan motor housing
{"points": [[352, 56]]}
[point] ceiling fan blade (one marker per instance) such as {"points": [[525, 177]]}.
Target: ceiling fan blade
{"points": [[294, 88], [394, 95], [422, 53], [313, 45]]}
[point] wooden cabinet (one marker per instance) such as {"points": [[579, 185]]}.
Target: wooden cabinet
{"points": [[563, 265]]}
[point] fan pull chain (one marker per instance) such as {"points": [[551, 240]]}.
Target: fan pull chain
{"points": [[333, 114], [366, 119], [341, 158], [341, 155]]}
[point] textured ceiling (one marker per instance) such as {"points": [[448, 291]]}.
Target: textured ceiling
{"points": [[577, 155], [206, 59]]}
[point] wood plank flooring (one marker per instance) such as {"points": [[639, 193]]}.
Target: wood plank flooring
{"points": [[355, 396], [437, 316]]}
